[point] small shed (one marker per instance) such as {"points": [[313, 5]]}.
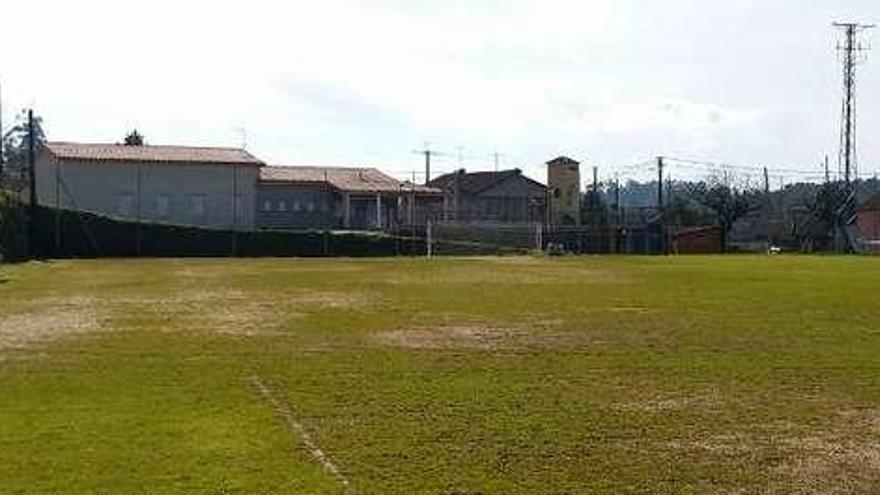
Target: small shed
{"points": [[697, 240]]}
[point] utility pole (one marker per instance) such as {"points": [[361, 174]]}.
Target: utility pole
{"points": [[412, 206], [32, 179], [32, 174], [427, 153], [137, 232], [595, 199], [827, 172], [497, 159], [617, 195], [234, 250], [782, 203], [660, 183], [429, 241], [617, 213], [768, 214], [57, 205], [660, 205], [766, 182]]}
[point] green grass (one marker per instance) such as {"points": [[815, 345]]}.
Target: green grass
{"points": [[493, 375]]}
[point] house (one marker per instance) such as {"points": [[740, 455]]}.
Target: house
{"points": [[505, 196], [298, 197], [181, 185]]}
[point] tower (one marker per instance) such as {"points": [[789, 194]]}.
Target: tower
{"points": [[564, 184], [852, 52]]}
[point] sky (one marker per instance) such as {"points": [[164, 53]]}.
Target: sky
{"points": [[610, 83]]}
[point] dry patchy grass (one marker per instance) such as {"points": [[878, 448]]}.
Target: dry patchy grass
{"points": [[44, 321]]}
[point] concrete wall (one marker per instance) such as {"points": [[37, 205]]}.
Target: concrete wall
{"points": [[182, 194]]}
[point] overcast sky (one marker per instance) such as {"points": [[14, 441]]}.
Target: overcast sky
{"points": [[330, 82]]}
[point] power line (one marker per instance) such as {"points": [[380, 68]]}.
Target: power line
{"points": [[733, 167]]}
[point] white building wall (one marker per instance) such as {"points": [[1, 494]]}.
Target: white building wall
{"points": [[199, 195]]}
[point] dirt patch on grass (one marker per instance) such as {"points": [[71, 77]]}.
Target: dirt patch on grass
{"points": [[512, 275], [843, 457], [235, 312], [47, 321], [823, 465], [840, 455], [658, 405], [329, 300], [646, 397], [479, 336], [449, 337]]}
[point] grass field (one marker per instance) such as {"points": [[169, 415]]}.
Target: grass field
{"points": [[493, 375]]}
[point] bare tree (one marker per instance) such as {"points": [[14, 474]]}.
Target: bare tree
{"points": [[728, 201]]}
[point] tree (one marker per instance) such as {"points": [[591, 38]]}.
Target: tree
{"points": [[134, 138], [594, 210], [683, 211], [15, 143], [728, 203]]}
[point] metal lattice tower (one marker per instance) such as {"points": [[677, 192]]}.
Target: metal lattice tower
{"points": [[852, 54]]}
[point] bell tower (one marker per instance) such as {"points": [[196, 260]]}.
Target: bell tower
{"points": [[564, 184]]}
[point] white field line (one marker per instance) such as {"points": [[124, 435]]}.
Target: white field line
{"points": [[287, 415]]}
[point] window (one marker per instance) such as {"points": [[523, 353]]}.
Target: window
{"points": [[163, 206], [197, 203], [282, 206], [296, 206], [325, 206], [267, 205], [124, 205], [310, 206]]}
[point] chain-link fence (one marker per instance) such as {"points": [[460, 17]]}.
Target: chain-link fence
{"points": [[647, 238]]}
